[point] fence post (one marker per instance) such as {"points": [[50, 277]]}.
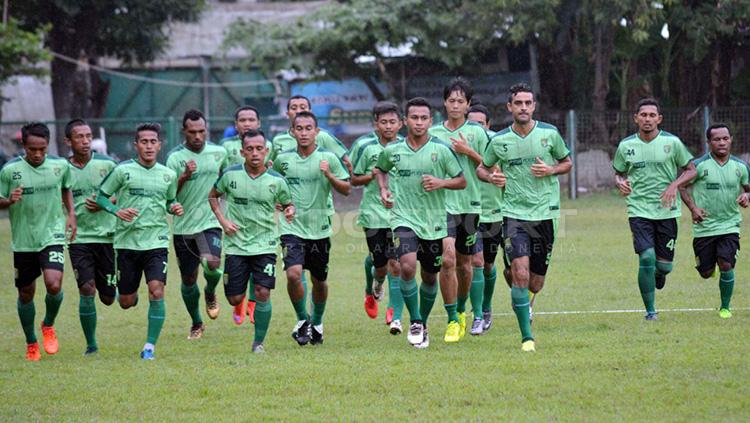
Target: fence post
{"points": [[572, 141], [706, 124], [173, 137]]}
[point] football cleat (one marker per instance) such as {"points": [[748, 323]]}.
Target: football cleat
{"points": [[32, 352], [724, 313], [416, 333], [528, 346], [477, 327], [371, 306], [302, 332], [212, 306], [196, 331], [396, 328], [452, 332], [49, 339]]}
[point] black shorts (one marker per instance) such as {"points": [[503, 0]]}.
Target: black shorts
{"points": [[490, 241], [429, 252], [29, 265], [532, 239], [132, 264], [709, 249], [190, 248], [239, 269], [660, 235], [463, 227], [312, 254], [94, 262], [380, 245]]}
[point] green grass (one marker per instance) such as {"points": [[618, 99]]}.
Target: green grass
{"points": [[686, 366]]}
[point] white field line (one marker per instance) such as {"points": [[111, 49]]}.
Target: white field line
{"points": [[564, 312]]}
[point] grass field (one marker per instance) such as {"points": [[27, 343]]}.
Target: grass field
{"points": [[689, 365]]}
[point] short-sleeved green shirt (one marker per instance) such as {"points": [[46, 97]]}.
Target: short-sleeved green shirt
{"points": [[492, 199], [526, 196], [146, 189], [364, 155], [96, 227], [469, 199], [37, 221], [716, 189], [650, 168], [311, 191], [233, 145], [284, 141], [421, 211], [194, 192], [251, 205]]}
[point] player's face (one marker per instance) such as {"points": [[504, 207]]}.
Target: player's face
{"points": [[387, 125], [522, 107], [246, 120], [720, 142], [304, 131], [80, 140], [254, 151], [456, 105], [295, 106], [36, 149], [418, 120], [195, 133], [147, 146], [648, 118], [480, 118]]}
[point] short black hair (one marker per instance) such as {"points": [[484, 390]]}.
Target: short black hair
{"points": [[648, 101], [417, 102], [305, 114], [459, 84], [241, 108], [480, 108], [716, 126], [192, 114], [73, 123], [521, 87], [37, 129], [252, 133], [384, 107], [297, 97], [147, 126]]}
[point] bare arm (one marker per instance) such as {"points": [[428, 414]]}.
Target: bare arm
{"points": [[358, 180], [492, 175], [541, 169], [385, 194], [71, 224], [669, 196], [15, 196], [431, 183], [229, 227], [342, 186], [697, 213], [190, 167], [622, 183]]}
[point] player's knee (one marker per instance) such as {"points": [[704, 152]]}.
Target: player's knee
{"points": [[190, 280], [262, 293], [106, 300], [647, 258], [663, 267], [428, 278], [394, 267], [725, 266], [408, 271], [26, 294], [477, 260], [449, 261], [88, 289], [155, 290], [235, 299], [213, 263], [294, 275], [128, 301], [707, 275]]}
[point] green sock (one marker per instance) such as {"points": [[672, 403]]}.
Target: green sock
{"points": [[395, 297], [520, 298], [262, 320], [87, 314], [251, 287], [489, 288], [368, 275], [461, 304], [411, 299], [53, 303], [476, 293], [317, 314], [304, 286], [156, 314], [726, 285], [191, 295], [663, 268], [646, 278], [427, 295], [452, 313], [212, 279], [300, 308], [27, 313]]}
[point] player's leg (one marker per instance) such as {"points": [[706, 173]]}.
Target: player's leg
{"points": [[665, 237], [264, 277], [317, 255], [448, 278], [155, 270], [129, 270], [643, 244], [491, 242], [84, 267], [188, 261], [395, 298], [209, 246], [294, 258], [373, 246], [52, 262], [105, 275], [468, 267], [518, 254], [727, 248], [405, 242], [27, 270], [429, 255], [542, 235]]}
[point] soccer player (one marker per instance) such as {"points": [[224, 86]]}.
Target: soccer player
{"points": [[252, 192], [719, 187], [91, 254], [413, 176], [145, 192], [311, 172], [530, 154], [197, 233], [646, 163], [461, 275], [375, 218], [31, 187]]}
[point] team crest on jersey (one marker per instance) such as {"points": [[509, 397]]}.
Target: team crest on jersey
{"points": [[434, 157], [167, 178], [471, 137], [217, 156], [272, 188], [544, 143], [102, 172], [667, 149], [737, 172], [57, 171]]}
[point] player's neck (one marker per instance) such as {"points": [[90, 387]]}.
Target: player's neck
{"points": [[194, 149], [523, 129], [453, 124], [305, 151], [254, 171], [417, 142], [80, 160], [32, 164], [146, 163], [720, 160], [385, 141], [648, 136]]}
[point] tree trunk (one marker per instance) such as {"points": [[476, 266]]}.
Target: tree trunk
{"points": [[603, 46]]}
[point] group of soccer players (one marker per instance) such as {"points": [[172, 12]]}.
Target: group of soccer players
{"points": [[450, 196]]}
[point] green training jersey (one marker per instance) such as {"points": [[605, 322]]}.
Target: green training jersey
{"points": [[364, 155], [233, 145], [251, 203], [526, 196], [413, 207], [469, 199], [715, 190], [311, 191], [194, 192], [651, 167], [492, 199], [96, 227], [284, 141], [37, 221], [146, 189]]}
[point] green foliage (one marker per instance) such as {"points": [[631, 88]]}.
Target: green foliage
{"points": [[21, 51]]}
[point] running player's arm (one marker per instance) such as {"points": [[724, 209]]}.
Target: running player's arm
{"points": [[488, 170], [360, 175], [174, 207], [744, 198], [383, 166], [621, 171], [461, 146], [229, 227], [111, 184], [284, 198], [560, 153], [686, 194], [669, 196], [450, 165], [336, 175], [8, 196]]}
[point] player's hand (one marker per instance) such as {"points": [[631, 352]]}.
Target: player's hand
{"points": [[669, 197], [190, 167], [71, 227], [744, 199], [348, 164], [541, 169], [127, 214], [90, 204], [176, 209], [623, 184], [230, 228], [498, 178], [386, 197], [431, 183], [325, 167], [289, 213], [460, 145], [698, 214], [16, 194], [279, 207]]}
